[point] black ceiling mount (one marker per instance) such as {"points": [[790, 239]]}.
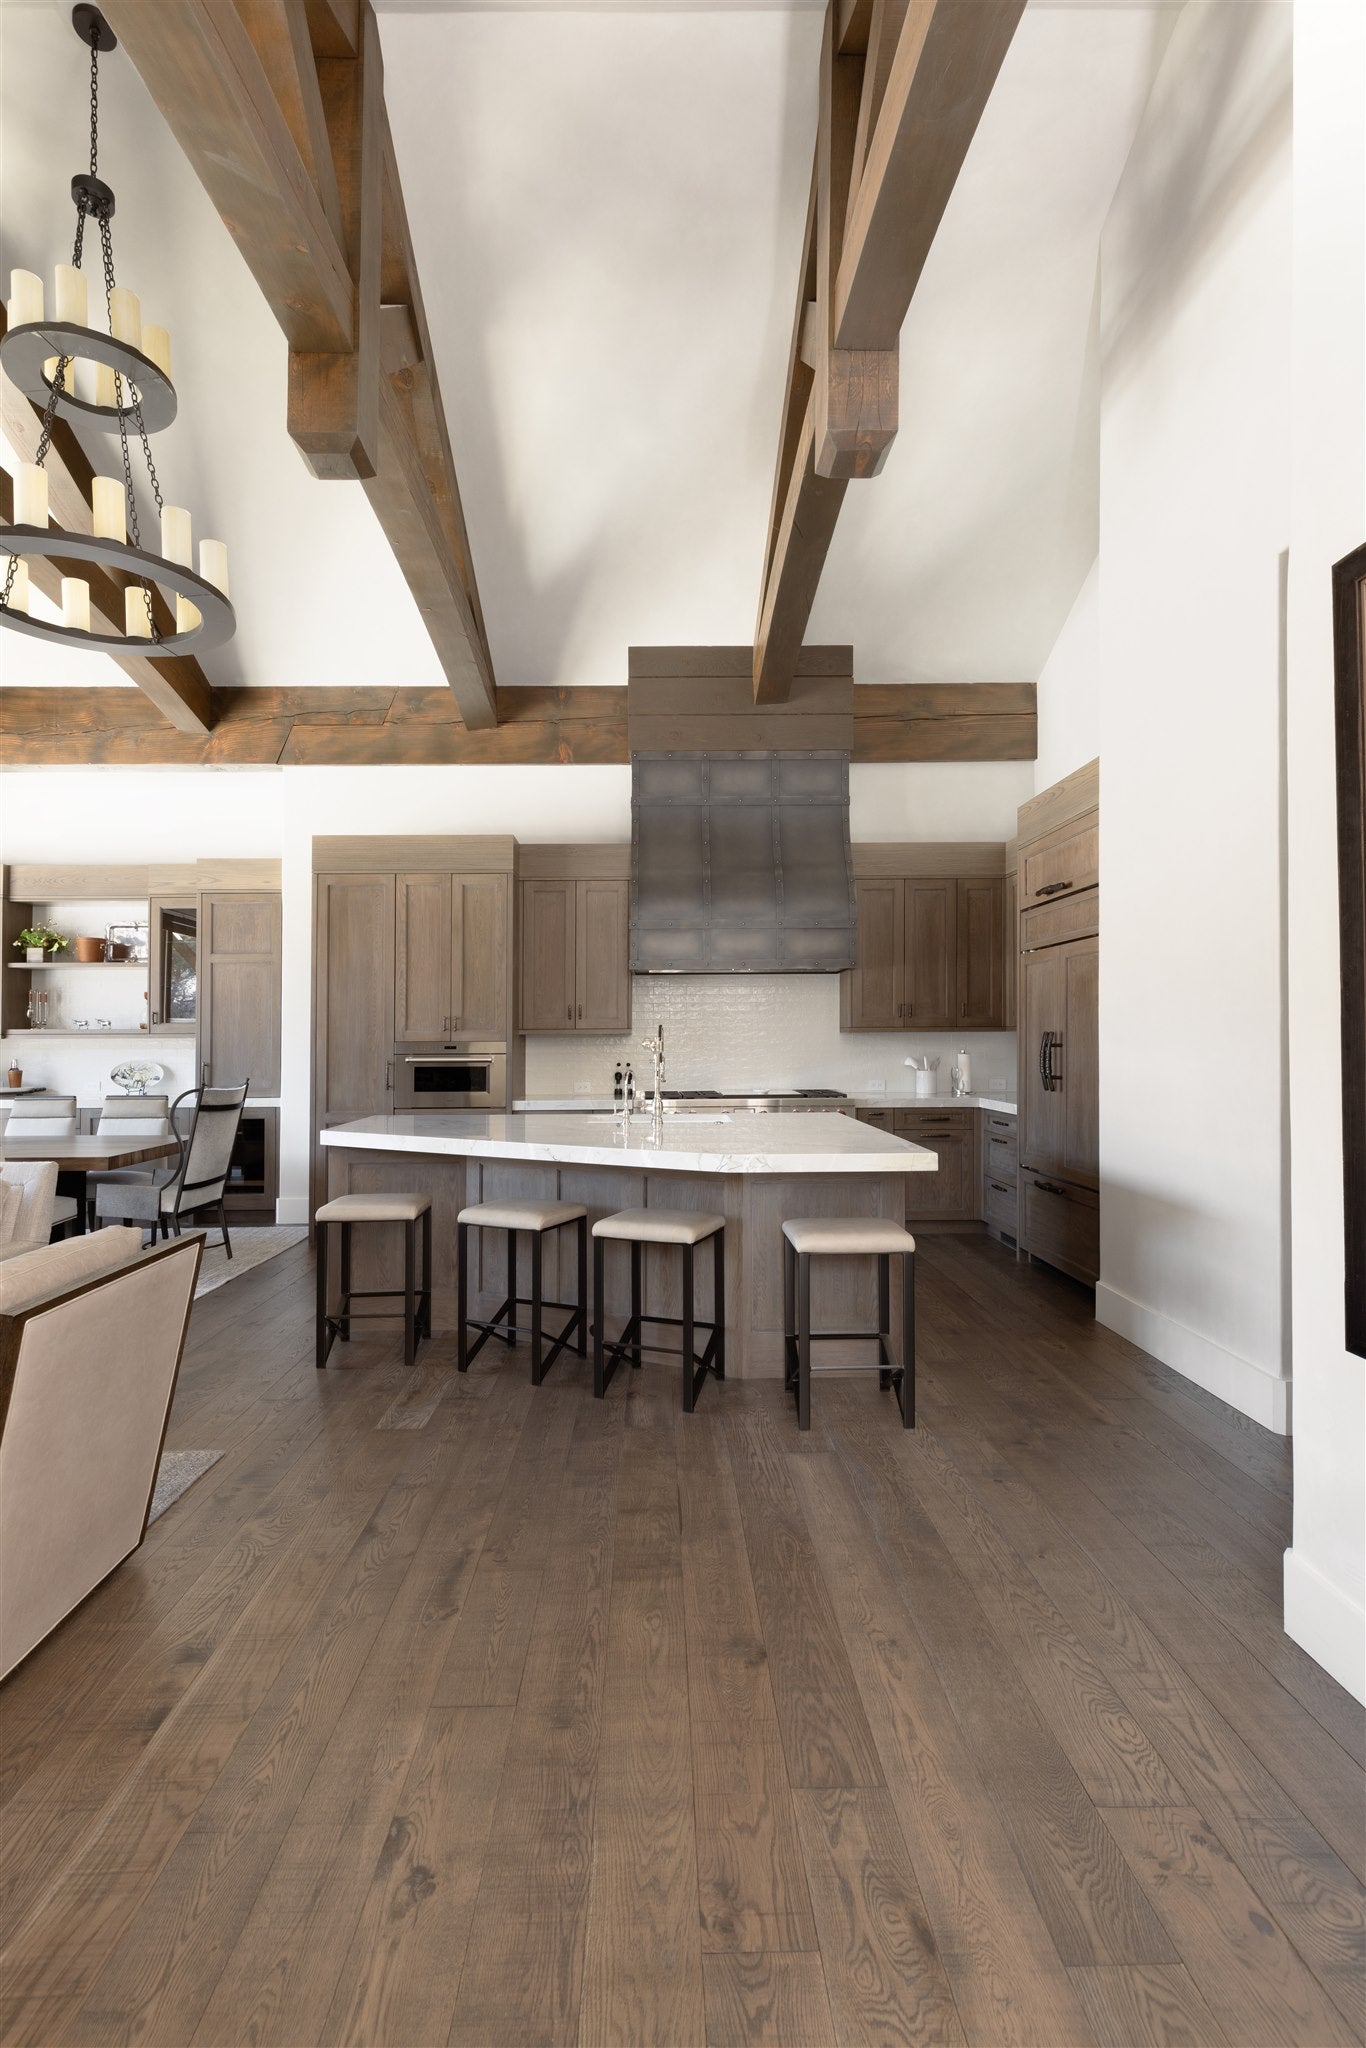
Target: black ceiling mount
{"points": [[92, 28], [98, 197]]}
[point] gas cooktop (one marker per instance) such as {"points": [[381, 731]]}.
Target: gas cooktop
{"points": [[755, 1098]]}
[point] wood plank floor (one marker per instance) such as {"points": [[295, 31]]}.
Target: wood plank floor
{"points": [[448, 1710]]}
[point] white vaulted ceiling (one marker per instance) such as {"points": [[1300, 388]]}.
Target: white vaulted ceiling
{"points": [[607, 207]]}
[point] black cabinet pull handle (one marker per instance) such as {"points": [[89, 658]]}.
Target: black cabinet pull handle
{"points": [[1052, 888], [998, 1187], [1050, 1187]]}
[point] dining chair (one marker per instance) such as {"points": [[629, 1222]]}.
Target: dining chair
{"points": [[199, 1178], [50, 1117], [129, 1116]]}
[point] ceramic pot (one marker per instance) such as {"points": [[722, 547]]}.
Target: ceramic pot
{"points": [[15, 1077], [89, 949], [34, 955]]}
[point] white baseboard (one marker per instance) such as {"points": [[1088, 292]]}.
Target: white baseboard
{"points": [[1326, 1622], [1263, 1395], [291, 1209]]}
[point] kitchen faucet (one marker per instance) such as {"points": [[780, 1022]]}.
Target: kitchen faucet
{"points": [[655, 1047]]}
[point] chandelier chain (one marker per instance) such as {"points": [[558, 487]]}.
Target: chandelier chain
{"points": [[94, 100]]}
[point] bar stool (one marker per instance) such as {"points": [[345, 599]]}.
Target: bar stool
{"points": [[537, 1218], [686, 1228], [348, 1210], [805, 1238]]}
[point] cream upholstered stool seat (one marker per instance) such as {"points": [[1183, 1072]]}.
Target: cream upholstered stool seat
{"points": [[537, 1219], [686, 1228], [346, 1211], [879, 1237]]}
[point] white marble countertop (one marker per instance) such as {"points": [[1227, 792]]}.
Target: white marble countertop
{"points": [[738, 1142], [1004, 1104]]}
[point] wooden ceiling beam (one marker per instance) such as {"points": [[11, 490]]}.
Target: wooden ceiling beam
{"points": [[292, 144], [903, 84], [377, 727]]}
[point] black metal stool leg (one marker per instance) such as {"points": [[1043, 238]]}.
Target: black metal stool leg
{"points": [[719, 1302], [599, 1317], [409, 1291], [908, 1340], [462, 1293], [583, 1286], [512, 1289], [884, 1317], [689, 1340], [324, 1334], [427, 1274], [344, 1326], [804, 1340], [537, 1249], [635, 1302]]}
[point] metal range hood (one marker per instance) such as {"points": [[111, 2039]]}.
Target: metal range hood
{"points": [[740, 864]]}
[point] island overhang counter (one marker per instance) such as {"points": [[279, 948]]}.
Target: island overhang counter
{"points": [[756, 1170]]}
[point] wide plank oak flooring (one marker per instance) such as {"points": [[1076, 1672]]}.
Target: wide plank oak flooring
{"points": [[446, 1710]]}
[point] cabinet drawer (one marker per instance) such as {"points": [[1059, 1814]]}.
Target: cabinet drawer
{"points": [[917, 1123], [1053, 924], [1060, 1224], [1000, 1202], [1000, 1146], [1062, 863]]}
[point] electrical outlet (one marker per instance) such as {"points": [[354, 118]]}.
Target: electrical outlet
{"points": [[875, 1087], [583, 1087]]}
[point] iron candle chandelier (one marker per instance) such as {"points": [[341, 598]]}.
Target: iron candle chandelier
{"points": [[168, 606]]}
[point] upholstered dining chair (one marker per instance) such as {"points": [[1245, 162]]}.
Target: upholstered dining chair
{"points": [[129, 1116], [28, 1198], [199, 1178], [51, 1117]]}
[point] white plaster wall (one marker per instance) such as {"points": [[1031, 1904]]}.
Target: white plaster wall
{"points": [[724, 1032], [1069, 690], [1194, 497], [1325, 1574]]}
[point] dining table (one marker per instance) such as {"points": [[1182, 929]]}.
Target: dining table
{"points": [[74, 1158]]}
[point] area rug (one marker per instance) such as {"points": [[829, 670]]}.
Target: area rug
{"points": [[178, 1472], [250, 1248]]}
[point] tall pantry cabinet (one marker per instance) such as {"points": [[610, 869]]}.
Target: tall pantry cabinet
{"points": [[1058, 879]]}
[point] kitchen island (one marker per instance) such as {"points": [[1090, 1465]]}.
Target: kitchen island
{"points": [[756, 1170]]}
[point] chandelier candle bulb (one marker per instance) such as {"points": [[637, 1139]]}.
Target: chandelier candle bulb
{"points": [[70, 290], [188, 617], [136, 622], [25, 298], [105, 391], [75, 604], [175, 536], [156, 343], [107, 503], [213, 564], [30, 496], [125, 316]]}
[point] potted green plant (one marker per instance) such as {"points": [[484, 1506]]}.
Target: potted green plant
{"points": [[38, 941]]}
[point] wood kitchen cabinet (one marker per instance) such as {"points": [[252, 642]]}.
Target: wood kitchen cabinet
{"points": [[239, 989], [575, 973], [930, 955], [450, 949], [1059, 1073], [951, 1194], [353, 996]]}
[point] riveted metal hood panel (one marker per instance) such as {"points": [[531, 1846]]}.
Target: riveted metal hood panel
{"points": [[740, 864]]}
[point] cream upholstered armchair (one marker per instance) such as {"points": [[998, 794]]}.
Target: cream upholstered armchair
{"points": [[91, 1336], [28, 1197]]}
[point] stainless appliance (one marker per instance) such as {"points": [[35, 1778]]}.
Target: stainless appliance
{"points": [[741, 864], [463, 1074], [678, 1101]]}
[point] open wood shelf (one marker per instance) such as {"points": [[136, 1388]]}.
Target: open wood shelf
{"points": [[45, 966]]}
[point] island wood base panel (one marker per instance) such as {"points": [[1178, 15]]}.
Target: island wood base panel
{"points": [[843, 1291]]}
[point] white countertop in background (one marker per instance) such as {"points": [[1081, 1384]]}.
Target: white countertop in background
{"points": [[743, 1143], [1003, 1104]]}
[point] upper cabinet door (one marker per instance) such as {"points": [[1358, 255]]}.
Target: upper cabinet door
{"points": [[239, 983], [1061, 862], [602, 999], [981, 963], [549, 983], [931, 1001], [479, 966], [876, 997], [354, 996], [1010, 928], [173, 965], [422, 958]]}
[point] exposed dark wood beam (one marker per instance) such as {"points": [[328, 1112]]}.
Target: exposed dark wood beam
{"points": [[330, 251], [902, 87], [369, 727], [175, 684]]}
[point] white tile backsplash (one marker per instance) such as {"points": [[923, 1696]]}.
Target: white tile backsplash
{"points": [[758, 1031]]}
